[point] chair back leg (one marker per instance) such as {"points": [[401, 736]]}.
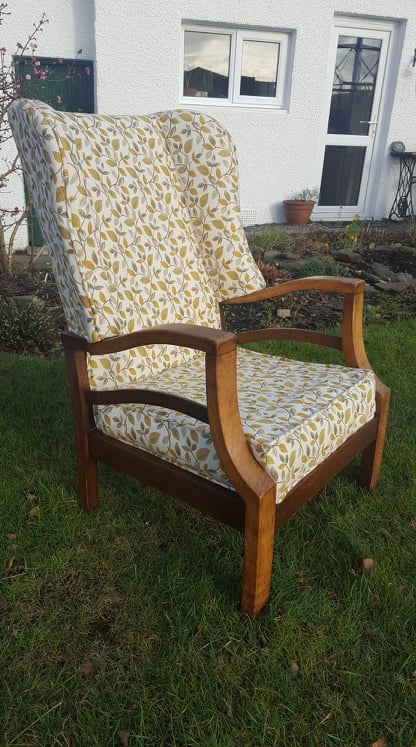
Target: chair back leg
{"points": [[373, 454], [83, 422]]}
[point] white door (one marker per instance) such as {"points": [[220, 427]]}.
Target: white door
{"points": [[358, 64]]}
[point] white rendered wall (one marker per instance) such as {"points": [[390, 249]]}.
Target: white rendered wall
{"points": [[136, 45], [70, 27], [139, 69]]}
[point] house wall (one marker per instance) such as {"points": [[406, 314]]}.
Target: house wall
{"points": [[70, 27], [136, 45]]}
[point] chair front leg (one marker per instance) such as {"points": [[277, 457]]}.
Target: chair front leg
{"points": [[258, 553]]}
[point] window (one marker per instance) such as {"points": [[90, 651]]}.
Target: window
{"points": [[235, 66]]}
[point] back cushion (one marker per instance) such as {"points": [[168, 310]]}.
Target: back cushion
{"points": [[116, 225]]}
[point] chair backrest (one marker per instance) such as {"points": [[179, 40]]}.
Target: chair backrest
{"points": [[140, 215]]}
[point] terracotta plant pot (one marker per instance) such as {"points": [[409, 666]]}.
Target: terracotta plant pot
{"points": [[298, 212]]}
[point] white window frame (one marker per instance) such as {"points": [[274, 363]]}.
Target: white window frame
{"points": [[237, 38]]}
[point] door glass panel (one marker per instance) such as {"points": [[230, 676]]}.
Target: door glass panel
{"points": [[341, 175], [353, 86], [259, 68], [206, 64]]}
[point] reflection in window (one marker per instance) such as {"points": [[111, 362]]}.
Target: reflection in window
{"points": [[206, 63], [341, 175], [353, 87], [237, 66], [259, 68]]}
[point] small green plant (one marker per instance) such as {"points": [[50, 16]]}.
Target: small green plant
{"points": [[307, 195], [316, 266], [350, 234], [26, 326], [274, 237], [371, 314], [411, 232]]}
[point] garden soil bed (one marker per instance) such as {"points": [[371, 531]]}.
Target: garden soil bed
{"points": [[315, 247]]}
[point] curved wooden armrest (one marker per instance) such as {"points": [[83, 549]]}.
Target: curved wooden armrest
{"points": [[323, 283], [221, 412], [192, 336], [148, 397], [351, 341]]}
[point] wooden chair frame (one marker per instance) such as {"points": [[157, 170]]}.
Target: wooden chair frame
{"points": [[252, 508]]}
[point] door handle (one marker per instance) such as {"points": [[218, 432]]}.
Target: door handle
{"points": [[369, 121]]}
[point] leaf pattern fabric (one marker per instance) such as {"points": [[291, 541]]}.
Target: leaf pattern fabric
{"points": [[293, 414], [141, 218]]}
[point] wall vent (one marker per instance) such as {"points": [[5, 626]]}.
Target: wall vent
{"points": [[249, 217]]}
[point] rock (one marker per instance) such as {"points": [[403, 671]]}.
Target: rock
{"points": [[406, 277], [395, 287], [348, 255], [283, 313], [383, 272]]}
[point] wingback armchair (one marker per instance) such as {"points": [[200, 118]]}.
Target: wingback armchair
{"points": [[140, 215]]}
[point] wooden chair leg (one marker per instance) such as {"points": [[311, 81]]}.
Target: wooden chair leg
{"points": [[258, 554], [87, 482], [372, 455], [83, 421]]}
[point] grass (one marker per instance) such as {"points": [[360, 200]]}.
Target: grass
{"points": [[123, 626]]}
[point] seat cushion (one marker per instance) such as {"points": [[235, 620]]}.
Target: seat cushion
{"points": [[293, 414]]}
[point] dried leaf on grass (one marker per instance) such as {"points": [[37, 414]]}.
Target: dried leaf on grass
{"points": [[368, 564], [86, 668], [379, 743], [293, 667], [123, 737]]}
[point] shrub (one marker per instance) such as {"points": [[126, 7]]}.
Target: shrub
{"points": [[26, 325], [269, 238]]}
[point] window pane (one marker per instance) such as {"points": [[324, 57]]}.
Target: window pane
{"points": [[259, 68], [341, 175], [206, 64], [355, 78]]}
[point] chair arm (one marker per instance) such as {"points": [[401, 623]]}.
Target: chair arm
{"points": [[326, 284], [221, 412], [351, 340], [192, 336]]}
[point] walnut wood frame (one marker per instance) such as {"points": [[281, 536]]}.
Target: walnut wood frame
{"points": [[252, 507]]}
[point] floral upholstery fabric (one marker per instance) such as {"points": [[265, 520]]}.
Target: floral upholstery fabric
{"points": [[141, 219], [209, 179], [294, 415]]}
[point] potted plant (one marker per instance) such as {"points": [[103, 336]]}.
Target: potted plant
{"points": [[298, 209]]}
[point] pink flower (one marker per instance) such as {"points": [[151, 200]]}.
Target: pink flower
{"points": [[58, 100], [19, 46], [42, 75], [3, 50], [87, 71], [16, 211]]}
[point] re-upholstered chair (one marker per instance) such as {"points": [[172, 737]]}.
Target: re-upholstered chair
{"points": [[141, 218]]}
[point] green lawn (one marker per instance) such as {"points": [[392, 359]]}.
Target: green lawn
{"points": [[123, 626]]}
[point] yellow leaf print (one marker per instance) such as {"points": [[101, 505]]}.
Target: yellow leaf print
{"points": [[60, 194]]}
